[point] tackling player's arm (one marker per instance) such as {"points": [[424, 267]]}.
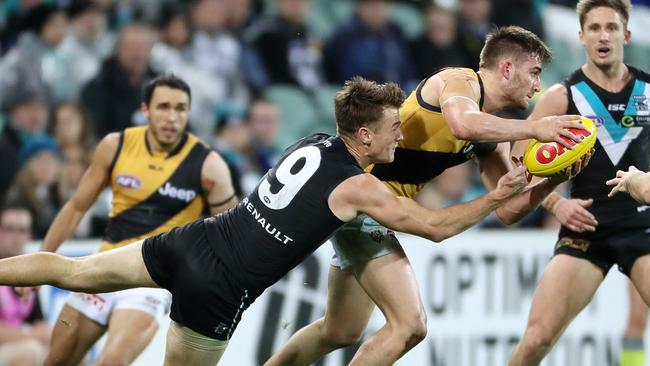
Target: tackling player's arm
{"points": [[572, 213], [497, 163], [458, 102], [365, 193], [216, 182], [92, 183]]}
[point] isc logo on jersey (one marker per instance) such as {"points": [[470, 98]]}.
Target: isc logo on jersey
{"points": [[169, 190], [616, 107], [127, 181]]}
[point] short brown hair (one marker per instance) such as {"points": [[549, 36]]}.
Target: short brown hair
{"points": [[622, 7], [361, 103], [511, 41]]}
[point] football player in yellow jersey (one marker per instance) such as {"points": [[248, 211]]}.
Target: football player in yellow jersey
{"points": [[446, 121], [161, 177]]}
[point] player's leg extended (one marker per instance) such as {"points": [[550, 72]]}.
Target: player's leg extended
{"points": [[632, 353], [186, 347], [72, 337], [129, 333], [567, 286], [638, 312], [346, 317], [112, 270], [390, 282]]}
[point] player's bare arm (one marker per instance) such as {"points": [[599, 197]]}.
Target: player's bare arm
{"points": [[94, 180], [217, 184], [458, 101], [497, 163], [634, 182], [365, 193], [572, 213]]}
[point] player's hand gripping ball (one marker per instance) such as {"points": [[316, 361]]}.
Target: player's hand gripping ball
{"points": [[547, 159]]}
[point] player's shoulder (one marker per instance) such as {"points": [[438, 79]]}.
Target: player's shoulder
{"points": [[110, 142], [558, 90], [457, 73], [639, 74]]}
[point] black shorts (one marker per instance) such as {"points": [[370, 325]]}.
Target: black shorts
{"points": [[203, 296], [606, 246]]}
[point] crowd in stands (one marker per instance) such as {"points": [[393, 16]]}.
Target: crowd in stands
{"points": [[263, 73]]}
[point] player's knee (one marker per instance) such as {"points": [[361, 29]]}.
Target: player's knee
{"points": [[77, 278], [413, 329], [537, 340], [52, 360], [342, 336], [112, 360]]}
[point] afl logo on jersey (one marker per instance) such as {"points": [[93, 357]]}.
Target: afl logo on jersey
{"points": [[127, 181]]}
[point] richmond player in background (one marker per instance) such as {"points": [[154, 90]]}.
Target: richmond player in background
{"points": [[161, 177], [598, 231]]}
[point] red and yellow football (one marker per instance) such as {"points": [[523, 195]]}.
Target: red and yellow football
{"points": [[546, 159]]}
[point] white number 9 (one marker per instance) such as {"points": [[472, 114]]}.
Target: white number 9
{"points": [[291, 180]]}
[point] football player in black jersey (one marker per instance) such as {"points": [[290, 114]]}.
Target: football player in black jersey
{"points": [[215, 268], [597, 231]]}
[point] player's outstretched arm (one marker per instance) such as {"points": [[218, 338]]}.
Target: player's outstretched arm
{"points": [[497, 163], [365, 193], [632, 181], [92, 183], [467, 122], [216, 182]]}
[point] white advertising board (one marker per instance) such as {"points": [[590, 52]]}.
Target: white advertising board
{"points": [[476, 289]]}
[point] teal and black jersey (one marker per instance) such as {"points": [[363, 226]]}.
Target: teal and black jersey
{"points": [[623, 121], [286, 217]]}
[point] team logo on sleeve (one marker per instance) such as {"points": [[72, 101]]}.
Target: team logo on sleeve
{"points": [[127, 181]]}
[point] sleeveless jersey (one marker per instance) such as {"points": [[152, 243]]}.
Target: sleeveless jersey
{"points": [[285, 218], [623, 121], [153, 192], [428, 147]]}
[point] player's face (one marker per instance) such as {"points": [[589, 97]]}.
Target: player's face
{"points": [[525, 81], [167, 114], [386, 135], [604, 35]]}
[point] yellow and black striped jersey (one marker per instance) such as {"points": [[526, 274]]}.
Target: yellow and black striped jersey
{"points": [[153, 192], [428, 147]]}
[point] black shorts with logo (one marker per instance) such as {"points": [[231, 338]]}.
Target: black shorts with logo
{"points": [[203, 296], [606, 246]]}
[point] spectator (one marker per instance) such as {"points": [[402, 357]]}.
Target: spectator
{"points": [[217, 51], [369, 45], [524, 13], [33, 64], [290, 53], [438, 47], [473, 26], [112, 98], [27, 119], [173, 54], [71, 128], [24, 335], [87, 43], [263, 123], [35, 183]]}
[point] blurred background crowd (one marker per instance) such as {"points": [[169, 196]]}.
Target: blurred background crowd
{"points": [[263, 73]]}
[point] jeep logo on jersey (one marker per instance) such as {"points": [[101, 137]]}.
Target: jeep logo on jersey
{"points": [[178, 193], [127, 181]]}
